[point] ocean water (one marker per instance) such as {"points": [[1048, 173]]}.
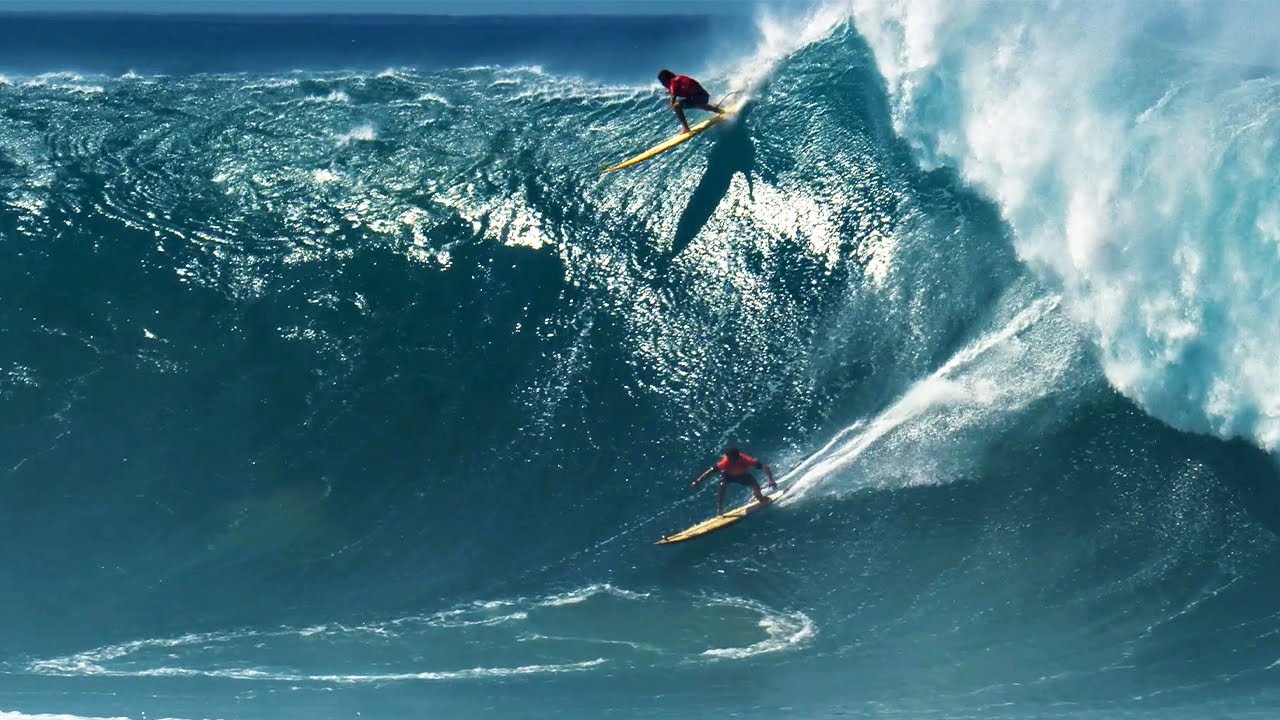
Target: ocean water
{"points": [[336, 383]]}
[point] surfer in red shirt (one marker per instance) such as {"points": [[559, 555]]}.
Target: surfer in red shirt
{"points": [[686, 93], [735, 467]]}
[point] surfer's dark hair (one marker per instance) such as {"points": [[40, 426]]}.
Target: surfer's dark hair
{"points": [[732, 451], [664, 76]]}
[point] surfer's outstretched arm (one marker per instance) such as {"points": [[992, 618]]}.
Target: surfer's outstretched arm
{"points": [[684, 124]]}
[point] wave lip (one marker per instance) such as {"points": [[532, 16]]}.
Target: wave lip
{"points": [[1132, 150]]}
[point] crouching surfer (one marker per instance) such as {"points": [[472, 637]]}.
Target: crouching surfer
{"points": [[735, 467], [686, 93]]}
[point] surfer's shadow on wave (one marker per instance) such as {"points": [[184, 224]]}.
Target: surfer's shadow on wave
{"points": [[733, 152]]}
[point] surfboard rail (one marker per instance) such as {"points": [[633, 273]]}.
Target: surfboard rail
{"points": [[721, 521], [730, 113]]}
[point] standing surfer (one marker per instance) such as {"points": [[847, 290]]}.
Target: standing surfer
{"points": [[735, 467]]}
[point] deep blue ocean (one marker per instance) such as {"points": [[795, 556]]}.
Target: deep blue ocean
{"points": [[335, 382]]}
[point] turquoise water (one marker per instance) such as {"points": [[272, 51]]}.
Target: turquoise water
{"points": [[352, 390]]}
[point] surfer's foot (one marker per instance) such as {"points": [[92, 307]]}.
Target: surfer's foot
{"points": [[764, 500], [685, 131]]}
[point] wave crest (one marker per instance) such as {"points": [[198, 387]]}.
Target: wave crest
{"points": [[1131, 147]]}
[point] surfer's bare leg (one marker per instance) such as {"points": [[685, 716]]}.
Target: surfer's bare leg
{"points": [[707, 106], [720, 498], [760, 496]]}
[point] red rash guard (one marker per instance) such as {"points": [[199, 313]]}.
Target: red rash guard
{"points": [[684, 86], [739, 467]]}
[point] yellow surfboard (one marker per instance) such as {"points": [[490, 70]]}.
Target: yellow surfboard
{"points": [[721, 521], [730, 112]]}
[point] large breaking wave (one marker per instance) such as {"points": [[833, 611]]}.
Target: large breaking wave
{"points": [[338, 392]]}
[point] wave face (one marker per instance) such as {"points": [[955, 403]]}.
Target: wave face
{"points": [[338, 392]]}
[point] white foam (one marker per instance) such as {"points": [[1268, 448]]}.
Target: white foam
{"points": [[335, 96], [512, 220], [576, 596], [236, 654], [1139, 177], [783, 31], [468, 674], [457, 619], [362, 133], [262, 674], [274, 84], [1025, 359], [783, 631]]}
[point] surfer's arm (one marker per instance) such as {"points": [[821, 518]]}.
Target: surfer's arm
{"points": [[675, 108], [684, 124], [693, 485]]}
